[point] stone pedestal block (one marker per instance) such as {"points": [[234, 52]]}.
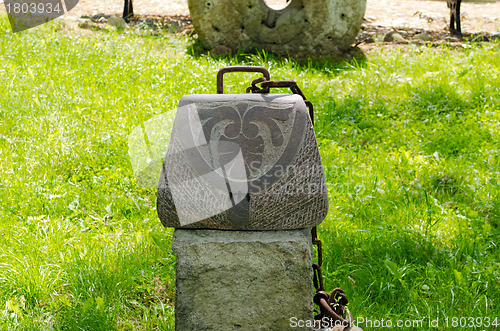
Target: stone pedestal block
{"points": [[242, 280]]}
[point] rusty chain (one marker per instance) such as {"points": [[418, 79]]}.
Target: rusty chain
{"points": [[332, 306]]}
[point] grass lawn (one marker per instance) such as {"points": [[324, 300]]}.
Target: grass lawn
{"points": [[409, 141]]}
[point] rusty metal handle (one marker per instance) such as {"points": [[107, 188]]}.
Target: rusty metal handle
{"points": [[225, 70], [266, 84]]}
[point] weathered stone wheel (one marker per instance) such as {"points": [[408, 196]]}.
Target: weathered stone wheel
{"points": [[313, 26]]}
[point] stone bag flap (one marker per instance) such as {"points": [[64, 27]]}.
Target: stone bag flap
{"points": [[242, 162]]}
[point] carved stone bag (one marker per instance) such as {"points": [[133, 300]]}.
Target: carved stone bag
{"points": [[243, 161]]}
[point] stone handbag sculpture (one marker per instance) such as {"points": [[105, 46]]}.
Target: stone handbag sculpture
{"points": [[243, 161]]}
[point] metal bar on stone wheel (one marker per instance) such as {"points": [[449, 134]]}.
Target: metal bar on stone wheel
{"points": [[128, 10]]}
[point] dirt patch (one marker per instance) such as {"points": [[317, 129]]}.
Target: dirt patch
{"points": [[432, 15], [402, 14], [408, 17]]}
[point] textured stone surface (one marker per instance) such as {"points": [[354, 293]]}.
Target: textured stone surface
{"points": [[422, 36], [118, 23], [393, 36], [312, 26], [242, 280], [280, 183]]}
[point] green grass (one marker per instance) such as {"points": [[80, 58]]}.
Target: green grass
{"points": [[409, 140]]}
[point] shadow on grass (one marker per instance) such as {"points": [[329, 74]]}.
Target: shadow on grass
{"points": [[353, 58]]}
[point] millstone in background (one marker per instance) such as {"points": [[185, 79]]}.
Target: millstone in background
{"points": [[312, 26]]}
